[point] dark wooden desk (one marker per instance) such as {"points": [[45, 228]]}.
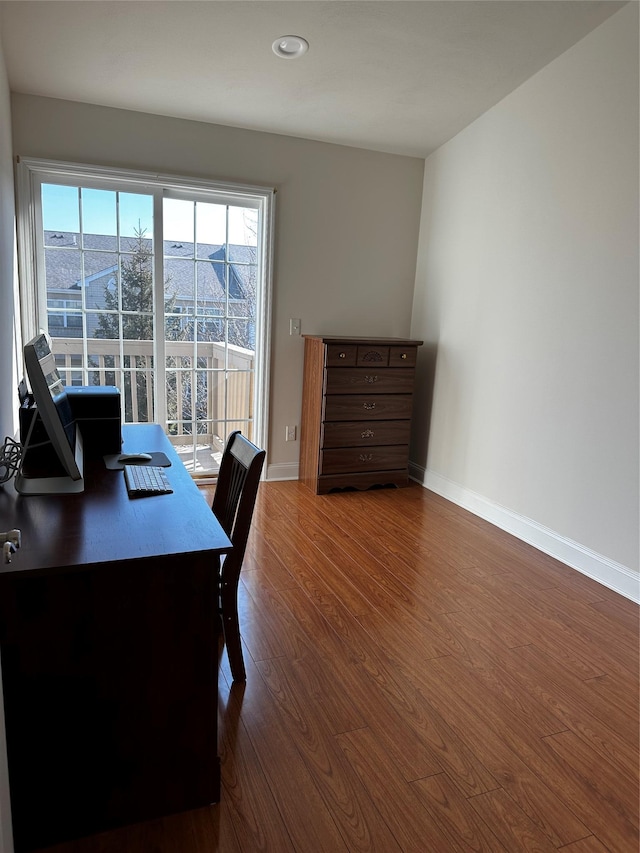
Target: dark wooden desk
{"points": [[109, 653]]}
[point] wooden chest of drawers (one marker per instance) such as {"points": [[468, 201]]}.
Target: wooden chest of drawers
{"points": [[356, 412]]}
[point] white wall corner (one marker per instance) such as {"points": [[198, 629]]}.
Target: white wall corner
{"points": [[615, 576]]}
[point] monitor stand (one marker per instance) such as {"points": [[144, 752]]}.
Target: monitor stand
{"points": [[48, 485], [60, 485]]}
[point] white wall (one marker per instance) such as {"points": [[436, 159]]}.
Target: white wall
{"points": [[527, 296], [8, 377], [346, 230], [8, 267]]}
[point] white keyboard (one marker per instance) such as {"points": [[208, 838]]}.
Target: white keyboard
{"points": [[145, 480]]}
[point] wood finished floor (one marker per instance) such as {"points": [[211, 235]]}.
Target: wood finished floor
{"points": [[417, 680]]}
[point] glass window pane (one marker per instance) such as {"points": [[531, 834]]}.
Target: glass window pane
{"points": [[101, 280], [136, 219], [178, 226], [211, 292], [136, 276], [179, 361], [99, 219], [137, 327], [138, 396], [243, 234], [241, 282], [242, 334], [209, 329], [184, 390], [211, 228], [174, 328], [137, 357], [60, 212], [212, 331], [202, 391], [64, 324], [105, 326], [179, 329], [213, 385], [63, 271], [245, 427], [179, 286], [219, 432], [179, 398]]}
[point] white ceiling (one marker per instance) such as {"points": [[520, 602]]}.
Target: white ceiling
{"points": [[388, 75]]}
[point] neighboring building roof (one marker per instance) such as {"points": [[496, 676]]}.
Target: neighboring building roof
{"points": [[100, 259]]}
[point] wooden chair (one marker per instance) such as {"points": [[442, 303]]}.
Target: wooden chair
{"points": [[233, 502]]}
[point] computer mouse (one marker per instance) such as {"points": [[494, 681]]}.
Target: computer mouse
{"points": [[135, 457]]}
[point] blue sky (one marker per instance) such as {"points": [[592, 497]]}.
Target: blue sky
{"points": [[60, 212]]}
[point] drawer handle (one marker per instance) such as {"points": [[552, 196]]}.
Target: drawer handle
{"points": [[404, 355], [366, 457], [342, 355], [367, 433], [370, 379], [368, 406]]}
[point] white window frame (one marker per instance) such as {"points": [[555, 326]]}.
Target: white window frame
{"points": [[32, 173]]}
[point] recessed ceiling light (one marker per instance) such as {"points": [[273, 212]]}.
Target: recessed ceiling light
{"points": [[290, 47]]}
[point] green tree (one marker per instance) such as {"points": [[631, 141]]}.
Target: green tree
{"points": [[135, 310], [136, 286]]}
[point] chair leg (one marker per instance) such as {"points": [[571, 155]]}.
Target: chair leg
{"points": [[231, 628]]}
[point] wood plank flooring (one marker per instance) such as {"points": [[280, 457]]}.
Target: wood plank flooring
{"points": [[417, 681]]}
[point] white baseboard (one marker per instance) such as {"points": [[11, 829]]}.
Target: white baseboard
{"points": [[613, 575], [282, 471]]}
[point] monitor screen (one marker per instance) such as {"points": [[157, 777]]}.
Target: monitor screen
{"points": [[54, 409]]}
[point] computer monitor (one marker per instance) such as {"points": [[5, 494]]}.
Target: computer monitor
{"points": [[62, 431]]}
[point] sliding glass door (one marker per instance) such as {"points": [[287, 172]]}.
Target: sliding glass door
{"points": [[159, 289], [209, 330]]}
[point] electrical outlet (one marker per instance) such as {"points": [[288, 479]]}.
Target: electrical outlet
{"points": [[295, 326], [290, 433]]}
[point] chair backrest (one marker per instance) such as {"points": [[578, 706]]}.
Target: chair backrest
{"points": [[235, 494]]}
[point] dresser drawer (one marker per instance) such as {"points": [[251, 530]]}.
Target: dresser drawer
{"points": [[372, 356], [341, 355], [354, 459], [364, 433], [382, 380], [403, 356], [353, 407]]}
